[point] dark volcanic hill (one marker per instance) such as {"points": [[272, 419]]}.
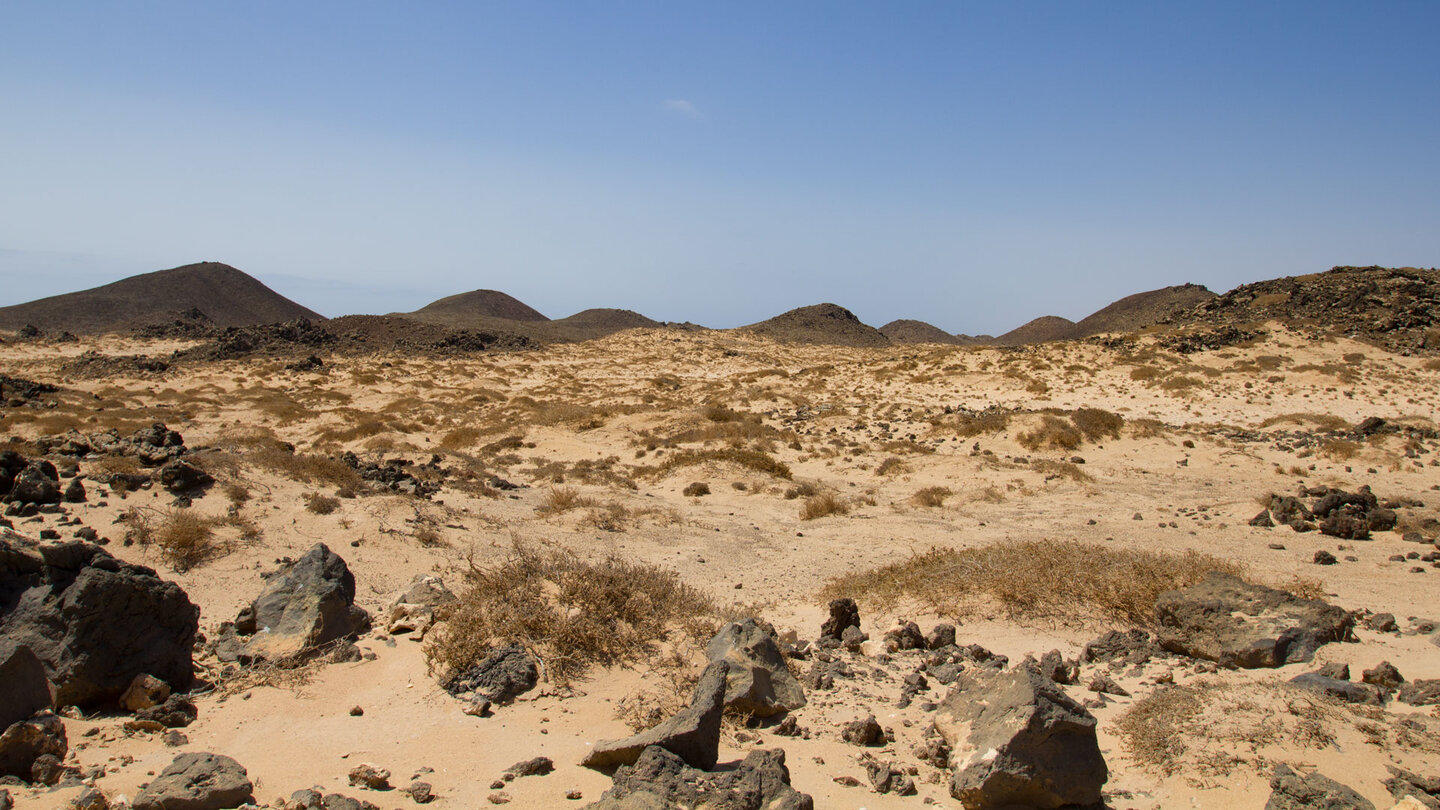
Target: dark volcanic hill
{"points": [[1140, 310], [1395, 308], [908, 331], [1043, 328], [226, 296], [478, 303], [825, 324]]}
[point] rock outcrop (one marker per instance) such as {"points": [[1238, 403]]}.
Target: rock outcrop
{"points": [[1237, 624], [26, 689], [1290, 791], [198, 781], [93, 621], [660, 779], [1016, 739], [304, 606], [759, 681], [693, 735]]}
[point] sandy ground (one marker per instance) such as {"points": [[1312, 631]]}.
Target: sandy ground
{"points": [[1208, 435]]}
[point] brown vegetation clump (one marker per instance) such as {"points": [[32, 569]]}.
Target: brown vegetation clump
{"points": [[931, 496], [1051, 434], [823, 505], [183, 538], [1052, 580], [562, 499], [570, 613], [320, 504], [1096, 423], [756, 460], [1210, 728]]}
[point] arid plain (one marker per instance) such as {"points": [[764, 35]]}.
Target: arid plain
{"points": [[820, 465]]}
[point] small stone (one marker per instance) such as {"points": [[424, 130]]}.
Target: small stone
{"points": [[1323, 557], [420, 792], [356, 711], [863, 732], [574, 795], [370, 776], [500, 797]]}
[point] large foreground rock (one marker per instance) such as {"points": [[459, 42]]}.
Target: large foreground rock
{"points": [[93, 621], [693, 734], [1314, 792], [1230, 621], [304, 606], [198, 781], [760, 682], [660, 780], [24, 689], [26, 742], [1016, 739]]}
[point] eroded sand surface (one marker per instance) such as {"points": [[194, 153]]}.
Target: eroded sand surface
{"points": [[1206, 437]]}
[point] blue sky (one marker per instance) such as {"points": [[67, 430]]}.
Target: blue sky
{"points": [[972, 165]]}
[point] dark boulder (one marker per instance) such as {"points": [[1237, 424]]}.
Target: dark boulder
{"points": [[659, 779], [1016, 739], [181, 477], [305, 605], [1340, 689], [29, 743], [26, 690], [1289, 791], [759, 681], [844, 613], [39, 482], [93, 621], [1236, 624], [693, 735], [198, 781], [500, 677]]}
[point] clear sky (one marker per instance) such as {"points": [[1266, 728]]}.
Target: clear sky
{"points": [[973, 165]]}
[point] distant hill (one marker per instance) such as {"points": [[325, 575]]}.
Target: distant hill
{"points": [[825, 324], [606, 321], [478, 303], [226, 297], [1043, 328], [1140, 310], [1395, 308], [908, 331], [975, 340]]}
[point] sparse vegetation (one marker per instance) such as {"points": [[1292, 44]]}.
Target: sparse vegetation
{"points": [[756, 460], [1065, 581], [183, 538], [931, 496], [572, 614], [1051, 434], [320, 504], [823, 505]]}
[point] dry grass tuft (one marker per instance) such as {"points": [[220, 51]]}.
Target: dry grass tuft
{"points": [[1209, 729], [1066, 581], [756, 460], [931, 496], [570, 613], [1051, 433], [320, 504], [1096, 423], [823, 505], [559, 500], [183, 538], [1061, 469]]}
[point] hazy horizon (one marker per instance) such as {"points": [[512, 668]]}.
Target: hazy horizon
{"points": [[969, 165]]}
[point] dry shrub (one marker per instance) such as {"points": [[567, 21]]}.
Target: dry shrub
{"points": [[931, 496], [1052, 433], [990, 494], [696, 489], [756, 460], [570, 613], [1432, 364], [804, 489], [1339, 449], [823, 505], [1061, 469], [1209, 728], [320, 504], [1147, 428], [460, 438], [562, 499], [1066, 581], [183, 538], [1321, 421], [1145, 373], [1180, 382], [981, 424], [891, 466], [1096, 423]]}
